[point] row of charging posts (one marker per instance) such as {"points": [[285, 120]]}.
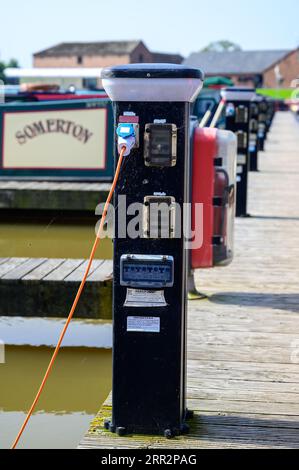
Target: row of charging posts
{"points": [[223, 191], [152, 120], [249, 116]]}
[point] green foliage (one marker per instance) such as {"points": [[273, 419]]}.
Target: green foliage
{"points": [[276, 93], [3, 65], [221, 46]]}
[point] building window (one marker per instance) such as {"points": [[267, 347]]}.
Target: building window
{"points": [[140, 58], [79, 60]]}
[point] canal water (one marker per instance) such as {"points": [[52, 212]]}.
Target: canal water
{"points": [[77, 387], [50, 239], [81, 378]]}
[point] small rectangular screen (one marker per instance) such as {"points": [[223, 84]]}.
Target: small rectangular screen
{"points": [[146, 272], [143, 271], [161, 142]]}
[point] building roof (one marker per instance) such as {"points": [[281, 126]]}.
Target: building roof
{"points": [[235, 62], [53, 72], [161, 57], [89, 48]]}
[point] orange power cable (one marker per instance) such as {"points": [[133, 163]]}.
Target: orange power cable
{"points": [[75, 303]]}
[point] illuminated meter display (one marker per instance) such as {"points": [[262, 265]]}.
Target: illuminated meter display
{"points": [[146, 271], [160, 145]]}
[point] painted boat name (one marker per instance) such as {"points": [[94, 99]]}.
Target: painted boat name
{"points": [[48, 126]]}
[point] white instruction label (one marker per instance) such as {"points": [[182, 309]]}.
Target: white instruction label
{"points": [[143, 324], [145, 298]]}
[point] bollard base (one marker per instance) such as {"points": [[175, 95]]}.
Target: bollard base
{"points": [[196, 295], [168, 433], [193, 293]]}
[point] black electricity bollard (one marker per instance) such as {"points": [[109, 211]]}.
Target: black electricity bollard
{"points": [[253, 132], [151, 107], [262, 127], [270, 113], [238, 103]]}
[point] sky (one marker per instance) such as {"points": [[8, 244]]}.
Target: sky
{"points": [[178, 26]]}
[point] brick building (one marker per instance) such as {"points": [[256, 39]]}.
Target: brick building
{"points": [[267, 69], [99, 54]]}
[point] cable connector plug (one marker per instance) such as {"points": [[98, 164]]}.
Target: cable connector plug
{"points": [[126, 137]]}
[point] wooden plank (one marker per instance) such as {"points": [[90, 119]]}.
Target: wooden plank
{"points": [[227, 406], [78, 273], [256, 420], [224, 316], [46, 195], [241, 353], [24, 268], [248, 396], [43, 270], [242, 406], [244, 338], [251, 372], [241, 385], [37, 287], [10, 264], [3, 260], [242, 327], [103, 272], [53, 185], [93, 442], [64, 270]]}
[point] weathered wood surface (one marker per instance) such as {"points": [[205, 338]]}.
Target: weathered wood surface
{"points": [[243, 342], [47, 195], [41, 287]]}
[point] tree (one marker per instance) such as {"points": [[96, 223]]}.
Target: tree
{"points": [[221, 46], [3, 66]]}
